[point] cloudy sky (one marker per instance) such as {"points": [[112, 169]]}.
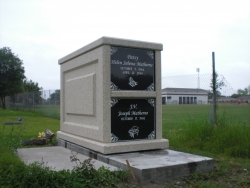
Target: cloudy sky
{"points": [[43, 31]]}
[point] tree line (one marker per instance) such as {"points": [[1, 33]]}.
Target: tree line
{"points": [[242, 92], [12, 77], [219, 84]]}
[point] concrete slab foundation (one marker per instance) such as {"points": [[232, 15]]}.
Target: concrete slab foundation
{"points": [[153, 166]]}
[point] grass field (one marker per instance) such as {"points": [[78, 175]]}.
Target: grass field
{"points": [[52, 111], [174, 114], [33, 123], [186, 128]]}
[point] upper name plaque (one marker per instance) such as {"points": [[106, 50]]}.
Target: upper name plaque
{"points": [[132, 69]]}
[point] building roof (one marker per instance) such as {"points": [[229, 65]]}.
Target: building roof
{"points": [[184, 91], [181, 90]]}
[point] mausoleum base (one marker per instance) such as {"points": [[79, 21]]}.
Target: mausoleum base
{"points": [[151, 166], [117, 147]]}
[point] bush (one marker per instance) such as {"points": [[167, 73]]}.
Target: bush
{"points": [[14, 173]]}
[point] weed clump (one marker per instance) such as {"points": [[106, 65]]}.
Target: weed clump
{"points": [[14, 173]]}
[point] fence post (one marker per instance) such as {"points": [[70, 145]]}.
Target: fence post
{"points": [[49, 103], [214, 90], [33, 102], [43, 101], [55, 97]]}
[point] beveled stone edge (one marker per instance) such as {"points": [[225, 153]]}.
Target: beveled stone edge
{"points": [[112, 41], [133, 94]]}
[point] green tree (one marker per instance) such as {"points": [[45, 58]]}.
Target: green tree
{"points": [[241, 92], [210, 94], [30, 86], [33, 91], [235, 95], [55, 97], [11, 74], [218, 85]]}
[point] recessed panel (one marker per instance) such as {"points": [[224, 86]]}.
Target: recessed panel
{"points": [[79, 95]]}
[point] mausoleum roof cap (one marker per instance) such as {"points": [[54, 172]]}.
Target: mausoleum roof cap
{"points": [[114, 42]]}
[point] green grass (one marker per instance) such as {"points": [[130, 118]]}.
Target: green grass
{"points": [[32, 123], [52, 111], [14, 173], [186, 127], [176, 114]]}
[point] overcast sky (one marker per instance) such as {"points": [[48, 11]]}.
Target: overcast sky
{"points": [[43, 31]]}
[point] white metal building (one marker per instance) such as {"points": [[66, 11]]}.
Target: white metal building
{"points": [[184, 96]]}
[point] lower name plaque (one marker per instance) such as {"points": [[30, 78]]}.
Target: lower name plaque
{"points": [[132, 119]]}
